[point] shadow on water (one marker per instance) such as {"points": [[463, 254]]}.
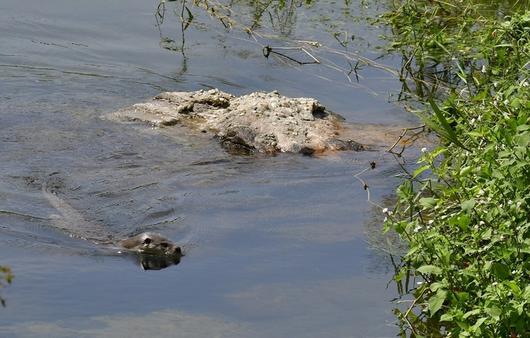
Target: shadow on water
{"points": [[155, 262]]}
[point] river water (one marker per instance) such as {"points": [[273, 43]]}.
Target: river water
{"points": [[276, 246]]}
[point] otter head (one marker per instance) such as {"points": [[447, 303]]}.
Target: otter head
{"points": [[150, 243], [154, 251]]}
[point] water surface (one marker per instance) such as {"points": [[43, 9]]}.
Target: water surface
{"points": [[277, 246]]}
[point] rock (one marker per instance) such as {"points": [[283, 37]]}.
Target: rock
{"points": [[257, 122]]}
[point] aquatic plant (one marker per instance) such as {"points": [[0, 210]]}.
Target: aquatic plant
{"points": [[6, 276], [464, 211], [292, 32]]}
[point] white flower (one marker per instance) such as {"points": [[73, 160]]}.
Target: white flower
{"points": [[386, 211], [483, 70], [423, 150], [431, 221], [417, 228]]}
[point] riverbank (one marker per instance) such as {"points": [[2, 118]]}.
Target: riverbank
{"points": [[464, 211]]}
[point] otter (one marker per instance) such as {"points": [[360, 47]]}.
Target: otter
{"points": [[151, 243], [152, 250]]}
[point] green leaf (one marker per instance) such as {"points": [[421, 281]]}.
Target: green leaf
{"points": [[435, 286], [427, 202], [479, 323], [464, 171], [523, 127], [472, 313], [514, 287], [429, 270], [523, 139], [435, 302], [189, 19], [446, 317], [449, 133], [500, 271], [438, 152], [494, 312], [468, 205], [420, 170], [526, 294]]}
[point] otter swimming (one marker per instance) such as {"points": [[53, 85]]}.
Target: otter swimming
{"points": [[152, 250], [151, 243]]}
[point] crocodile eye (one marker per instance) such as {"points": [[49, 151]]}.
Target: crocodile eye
{"points": [[147, 240], [164, 245]]}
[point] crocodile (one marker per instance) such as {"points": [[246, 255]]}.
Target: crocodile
{"points": [[254, 123]]}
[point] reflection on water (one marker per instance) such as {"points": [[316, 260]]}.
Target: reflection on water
{"points": [[289, 34], [161, 324], [276, 246], [157, 262]]}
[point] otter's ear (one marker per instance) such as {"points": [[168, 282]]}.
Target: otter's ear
{"points": [[147, 240]]}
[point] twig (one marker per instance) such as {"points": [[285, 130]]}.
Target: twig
{"points": [[365, 186], [406, 140], [412, 305], [267, 50]]}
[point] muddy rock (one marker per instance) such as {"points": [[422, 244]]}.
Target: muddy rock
{"points": [[257, 122]]}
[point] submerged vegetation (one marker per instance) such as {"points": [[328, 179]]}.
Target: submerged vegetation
{"points": [[5, 277], [464, 211], [293, 33]]}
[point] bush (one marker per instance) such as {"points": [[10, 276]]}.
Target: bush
{"points": [[464, 211]]}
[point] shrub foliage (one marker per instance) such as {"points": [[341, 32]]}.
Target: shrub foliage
{"points": [[464, 212]]}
